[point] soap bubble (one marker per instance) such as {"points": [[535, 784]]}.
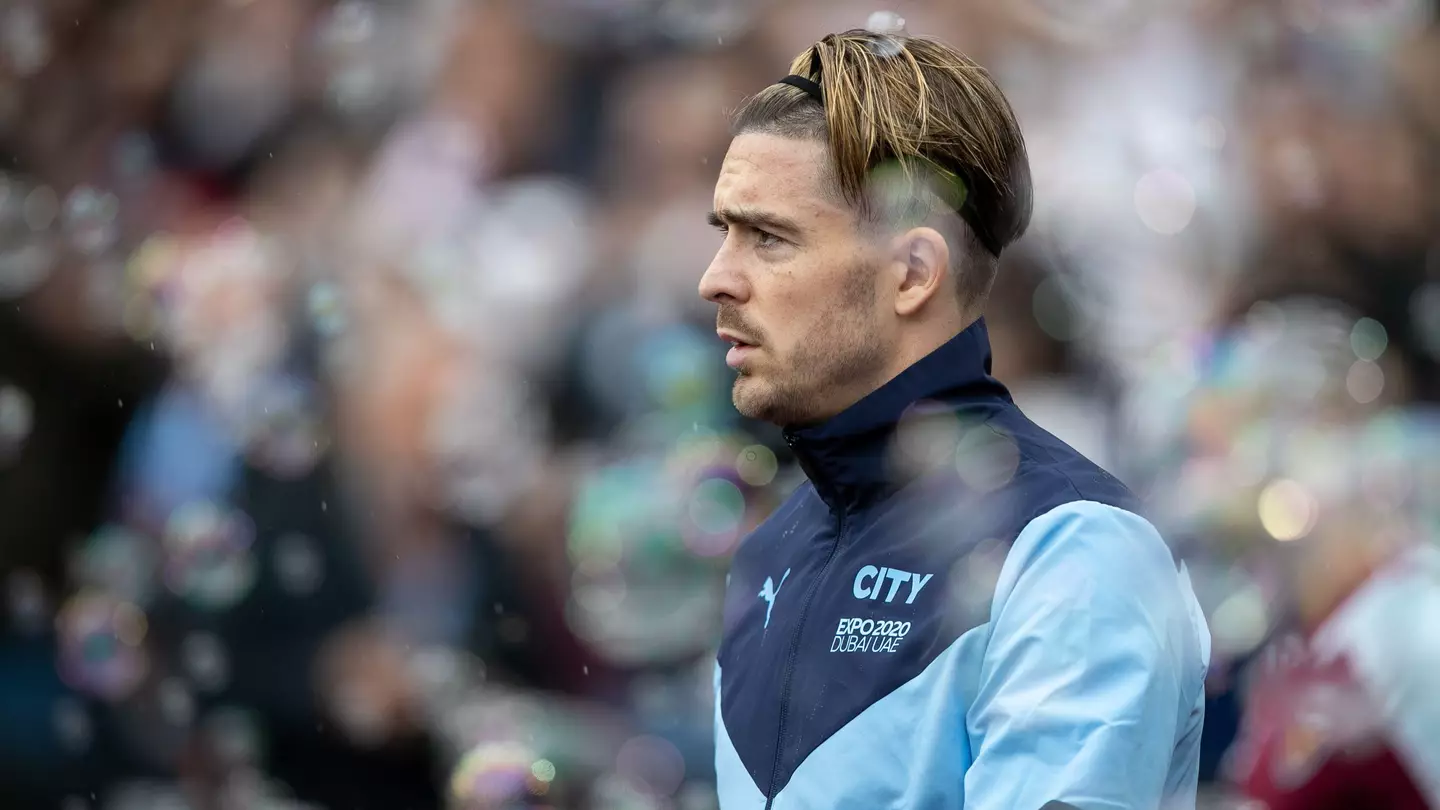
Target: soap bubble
{"points": [[986, 458], [1288, 511], [17, 418], [889, 29], [285, 432], [299, 564], [206, 661], [40, 207], [90, 220], [118, 561], [886, 22], [757, 465], [926, 439], [27, 253], [208, 555], [25, 44], [651, 764], [100, 645], [717, 506], [1165, 201], [326, 305], [498, 775], [646, 585], [73, 726], [351, 22], [177, 702], [235, 735], [26, 601]]}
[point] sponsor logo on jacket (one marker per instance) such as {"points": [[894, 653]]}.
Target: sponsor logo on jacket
{"points": [[878, 584]]}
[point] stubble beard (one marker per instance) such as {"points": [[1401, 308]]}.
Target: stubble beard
{"points": [[842, 351]]}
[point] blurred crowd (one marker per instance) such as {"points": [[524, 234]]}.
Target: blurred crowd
{"points": [[364, 443]]}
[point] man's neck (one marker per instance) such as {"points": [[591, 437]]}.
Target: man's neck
{"points": [[924, 338], [921, 341]]}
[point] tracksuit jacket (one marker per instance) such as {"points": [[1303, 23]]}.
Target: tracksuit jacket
{"points": [[957, 610]]}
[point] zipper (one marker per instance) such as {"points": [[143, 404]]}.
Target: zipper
{"points": [[790, 658]]}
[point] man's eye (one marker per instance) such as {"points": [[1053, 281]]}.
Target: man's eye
{"points": [[764, 239]]}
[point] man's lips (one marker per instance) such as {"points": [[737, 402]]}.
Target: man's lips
{"points": [[740, 347], [734, 338]]}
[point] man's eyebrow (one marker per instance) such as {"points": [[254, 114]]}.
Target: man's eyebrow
{"points": [[751, 218]]}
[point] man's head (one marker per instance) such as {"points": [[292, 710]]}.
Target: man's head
{"points": [[862, 228]]}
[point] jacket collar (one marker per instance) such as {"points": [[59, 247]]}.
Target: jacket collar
{"points": [[845, 456]]}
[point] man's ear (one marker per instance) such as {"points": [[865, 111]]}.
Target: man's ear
{"points": [[922, 262]]}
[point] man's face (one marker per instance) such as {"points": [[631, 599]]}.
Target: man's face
{"points": [[797, 284]]}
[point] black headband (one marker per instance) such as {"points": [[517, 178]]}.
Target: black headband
{"points": [[811, 88]]}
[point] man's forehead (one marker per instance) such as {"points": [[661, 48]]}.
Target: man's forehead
{"points": [[762, 169]]}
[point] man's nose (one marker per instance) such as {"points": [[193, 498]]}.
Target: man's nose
{"points": [[723, 281]]}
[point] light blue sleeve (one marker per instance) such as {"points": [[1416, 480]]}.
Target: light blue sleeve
{"points": [[1092, 672]]}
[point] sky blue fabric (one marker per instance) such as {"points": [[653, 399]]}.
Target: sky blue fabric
{"points": [[1091, 688], [1086, 686]]}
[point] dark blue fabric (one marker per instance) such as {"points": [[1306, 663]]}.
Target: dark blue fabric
{"points": [[783, 691]]}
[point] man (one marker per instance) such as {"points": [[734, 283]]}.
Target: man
{"points": [[957, 610]]}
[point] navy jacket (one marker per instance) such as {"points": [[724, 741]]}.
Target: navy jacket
{"points": [[957, 610]]}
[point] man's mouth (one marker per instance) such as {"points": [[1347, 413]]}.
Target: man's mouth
{"points": [[740, 347]]}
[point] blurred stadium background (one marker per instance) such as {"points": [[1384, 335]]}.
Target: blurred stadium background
{"points": [[364, 444]]}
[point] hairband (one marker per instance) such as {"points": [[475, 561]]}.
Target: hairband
{"points": [[811, 88]]}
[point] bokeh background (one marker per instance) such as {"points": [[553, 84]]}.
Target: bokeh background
{"points": [[364, 444]]}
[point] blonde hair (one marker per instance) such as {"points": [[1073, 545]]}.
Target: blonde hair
{"points": [[922, 107]]}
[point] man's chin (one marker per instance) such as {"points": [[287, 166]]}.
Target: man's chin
{"points": [[749, 397], [755, 399]]}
